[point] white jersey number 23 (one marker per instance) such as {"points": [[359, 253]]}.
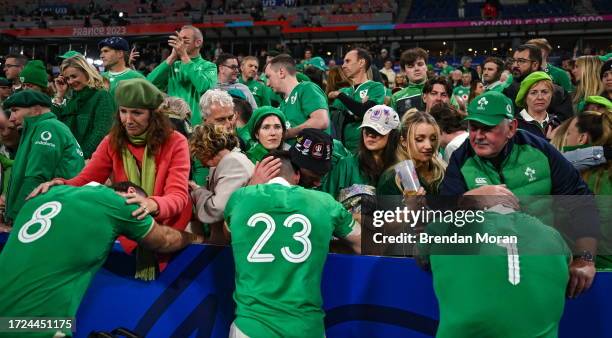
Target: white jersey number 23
{"points": [[255, 255]]}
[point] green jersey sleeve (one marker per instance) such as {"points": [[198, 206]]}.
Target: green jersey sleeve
{"points": [[312, 98], [121, 217], [375, 92], [343, 221]]}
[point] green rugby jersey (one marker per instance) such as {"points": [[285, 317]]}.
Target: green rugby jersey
{"points": [[280, 240], [303, 100]]}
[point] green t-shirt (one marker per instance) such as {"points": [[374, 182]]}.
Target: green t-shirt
{"points": [[375, 91], [280, 240], [115, 78], [492, 290], [304, 99], [447, 70], [259, 91], [54, 251], [463, 92]]}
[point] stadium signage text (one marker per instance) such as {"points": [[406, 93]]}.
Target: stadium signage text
{"points": [[516, 22], [99, 31]]}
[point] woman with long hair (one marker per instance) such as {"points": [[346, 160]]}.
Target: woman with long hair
{"points": [[88, 111], [143, 147], [376, 152], [419, 142], [586, 71]]}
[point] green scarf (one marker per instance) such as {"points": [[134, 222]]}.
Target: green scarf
{"points": [[257, 152], [146, 262]]}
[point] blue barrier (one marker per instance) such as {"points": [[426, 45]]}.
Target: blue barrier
{"points": [[363, 297]]}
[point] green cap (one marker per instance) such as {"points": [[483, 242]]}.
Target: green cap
{"points": [[4, 82], [27, 98], [490, 108], [138, 93], [301, 77], [259, 114], [34, 72], [527, 82], [317, 62], [70, 54], [600, 100], [234, 92]]}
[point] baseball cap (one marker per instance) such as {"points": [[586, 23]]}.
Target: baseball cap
{"points": [[312, 151], [381, 118], [114, 42], [490, 108], [607, 66]]}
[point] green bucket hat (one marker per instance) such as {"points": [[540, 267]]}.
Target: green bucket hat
{"points": [[259, 114], [527, 82], [600, 100], [490, 108], [317, 62], [138, 93], [27, 98], [34, 72]]}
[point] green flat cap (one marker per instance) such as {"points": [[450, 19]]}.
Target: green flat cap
{"points": [[234, 92], [27, 98], [527, 82], [138, 93], [600, 100], [35, 73], [490, 108], [259, 114]]}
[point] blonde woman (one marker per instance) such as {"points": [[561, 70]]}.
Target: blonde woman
{"points": [[419, 142], [586, 72], [534, 96], [89, 110], [217, 148]]}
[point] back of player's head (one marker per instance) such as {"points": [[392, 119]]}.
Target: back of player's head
{"points": [[284, 61], [288, 169], [126, 186]]}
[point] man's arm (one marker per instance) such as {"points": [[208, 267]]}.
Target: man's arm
{"points": [[318, 119], [164, 239], [202, 75]]}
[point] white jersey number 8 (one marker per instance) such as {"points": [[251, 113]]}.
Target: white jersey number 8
{"points": [[255, 256], [39, 218]]}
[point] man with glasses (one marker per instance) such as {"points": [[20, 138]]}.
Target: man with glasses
{"points": [[502, 160], [227, 77], [526, 60], [185, 73], [13, 65]]}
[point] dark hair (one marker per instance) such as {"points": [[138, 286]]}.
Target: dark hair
{"points": [[441, 80], [287, 166], [497, 61], [597, 125], [21, 59], [364, 55], [535, 54], [384, 79], [123, 186], [367, 164], [336, 80], [448, 118], [315, 75], [473, 87], [410, 56], [159, 131], [222, 58], [258, 124], [243, 108], [285, 61]]}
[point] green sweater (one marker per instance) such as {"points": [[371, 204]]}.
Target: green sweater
{"points": [[47, 149], [89, 115], [187, 81]]}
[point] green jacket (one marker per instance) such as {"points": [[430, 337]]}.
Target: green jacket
{"points": [[47, 149], [89, 115], [559, 77], [187, 81], [407, 98]]}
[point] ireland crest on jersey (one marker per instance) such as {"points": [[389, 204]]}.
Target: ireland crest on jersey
{"points": [[363, 93]]}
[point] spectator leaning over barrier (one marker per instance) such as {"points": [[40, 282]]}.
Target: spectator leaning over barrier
{"points": [[142, 147], [89, 111], [414, 63], [115, 53], [185, 73], [47, 148], [503, 160]]}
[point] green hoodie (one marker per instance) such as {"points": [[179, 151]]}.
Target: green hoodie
{"points": [[257, 151]]}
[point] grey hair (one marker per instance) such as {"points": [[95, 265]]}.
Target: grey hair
{"points": [[218, 96], [465, 59]]}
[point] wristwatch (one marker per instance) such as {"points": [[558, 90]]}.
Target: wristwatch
{"points": [[586, 256]]}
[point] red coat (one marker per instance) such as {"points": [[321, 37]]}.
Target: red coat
{"points": [[171, 189]]}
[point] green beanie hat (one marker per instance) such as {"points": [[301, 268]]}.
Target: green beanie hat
{"points": [[527, 82], [27, 98], [34, 72], [258, 115], [138, 93], [600, 100]]}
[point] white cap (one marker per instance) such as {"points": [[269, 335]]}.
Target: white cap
{"points": [[381, 118]]}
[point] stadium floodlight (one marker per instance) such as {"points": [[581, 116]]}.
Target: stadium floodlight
{"points": [[495, 49], [121, 14], [444, 43], [470, 49]]}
